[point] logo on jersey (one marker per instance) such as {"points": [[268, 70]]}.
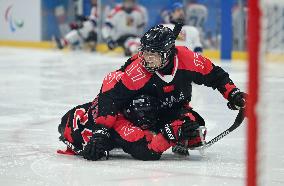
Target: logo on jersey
{"points": [[169, 101], [14, 23], [127, 130], [129, 21]]}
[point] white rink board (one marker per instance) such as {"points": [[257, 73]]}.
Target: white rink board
{"points": [[38, 87]]}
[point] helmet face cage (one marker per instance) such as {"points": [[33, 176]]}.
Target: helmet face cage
{"points": [[158, 39], [164, 57]]}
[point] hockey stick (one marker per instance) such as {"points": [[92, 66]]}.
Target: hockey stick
{"points": [[238, 121], [177, 29], [71, 146]]}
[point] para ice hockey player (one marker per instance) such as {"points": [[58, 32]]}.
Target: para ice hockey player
{"points": [[165, 72], [124, 26], [189, 35], [82, 31]]}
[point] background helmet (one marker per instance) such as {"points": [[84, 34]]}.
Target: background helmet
{"points": [[142, 111], [128, 5], [158, 39], [175, 6]]}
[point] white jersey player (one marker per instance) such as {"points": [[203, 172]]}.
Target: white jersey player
{"points": [[189, 35], [85, 32], [196, 15], [124, 26]]}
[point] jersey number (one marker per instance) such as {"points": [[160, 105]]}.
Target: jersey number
{"points": [[81, 116], [86, 135]]}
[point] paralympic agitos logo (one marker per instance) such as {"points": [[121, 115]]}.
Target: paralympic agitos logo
{"points": [[14, 23]]}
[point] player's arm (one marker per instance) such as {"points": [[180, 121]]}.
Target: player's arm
{"points": [[196, 43], [112, 97], [110, 100], [205, 72]]}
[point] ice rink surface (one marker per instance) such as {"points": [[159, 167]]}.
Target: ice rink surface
{"points": [[37, 87]]}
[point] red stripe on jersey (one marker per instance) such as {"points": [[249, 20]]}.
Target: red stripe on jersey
{"points": [[229, 87]]}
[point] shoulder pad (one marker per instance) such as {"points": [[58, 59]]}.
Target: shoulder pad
{"points": [[191, 61], [115, 10], [111, 80]]}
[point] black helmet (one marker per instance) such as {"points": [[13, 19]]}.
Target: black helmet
{"points": [[158, 39], [142, 111]]}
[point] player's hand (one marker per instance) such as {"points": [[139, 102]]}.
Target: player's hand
{"points": [[111, 44], [73, 26], [98, 145], [237, 99], [188, 130], [180, 130]]}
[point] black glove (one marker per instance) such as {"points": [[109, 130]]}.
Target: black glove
{"points": [[237, 99], [186, 131], [111, 44], [180, 149], [98, 145]]}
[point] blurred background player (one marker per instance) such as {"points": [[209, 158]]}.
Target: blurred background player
{"points": [[239, 18], [189, 35], [124, 26], [83, 30], [195, 15]]}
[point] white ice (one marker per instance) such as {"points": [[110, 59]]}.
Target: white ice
{"points": [[37, 87]]}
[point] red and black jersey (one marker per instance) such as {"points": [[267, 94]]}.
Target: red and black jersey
{"points": [[173, 91]]}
